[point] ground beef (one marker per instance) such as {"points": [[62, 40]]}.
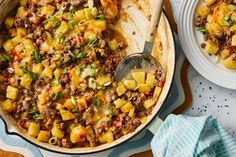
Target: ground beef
{"points": [[66, 143], [132, 124], [3, 87], [199, 21], [65, 78]]}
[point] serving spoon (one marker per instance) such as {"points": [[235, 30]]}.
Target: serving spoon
{"points": [[143, 60]]}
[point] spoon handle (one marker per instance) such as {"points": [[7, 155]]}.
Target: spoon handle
{"points": [[154, 21]]}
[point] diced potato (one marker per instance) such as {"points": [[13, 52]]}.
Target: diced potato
{"points": [[66, 115], [233, 28], [113, 45], [59, 106], [47, 72], [89, 133], [8, 45], [9, 21], [62, 29], [27, 60], [103, 80], [75, 78], [57, 89], [45, 47], [34, 129], [21, 31], [48, 1], [18, 71], [130, 84], [16, 40], [131, 112], [143, 120], [79, 16], [120, 102], [157, 92], [102, 138], [203, 11], [20, 12], [43, 136], [56, 132], [88, 13], [42, 98], [126, 108], [78, 134], [26, 81], [109, 137], [209, 2], [23, 2], [210, 18], [214, 28], [37, 68], [208, 27], [8, 105], [29, 46], [150, 81], [47, 10], [69, 105], [97, 26], [138, 75], [233, 40], [211, 47], [120, 90], [57, 73], [143, 88], [225, 53], [82, 104], [12, 92], [149, 103], [90, 35], [230, 62]]}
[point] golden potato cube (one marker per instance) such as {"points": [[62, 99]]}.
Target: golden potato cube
{"points": [[109, 137], [82, 104], [126, 108], [214, 28], [209, 2], [143, 120], [57, 73], [211, 47], [149, 103], [203, 11], [47, 72], [26, 81], [79, 16], [157, 92], [69, 105], [150, 81], [66, 115], [18, 71], [208, 27], [59, 106], [42, 98], [48, 1], [233, 28], [47, 10], [120, 90], [16, 40], [56, 132], [113, 45], [78, 134], [89, 133], [230, 62], [130, 84], [138, 75], [29, 46], [131, 112], [57, 89], [23, 2], [34, 129], [143, 88], [43, 136], [233, 40], [120, 102], [62, 29], [9, 22], [75, 78], [102, 138], [37, 68], [88, 13], [20, 12], [210, 18], [8, 105], [98, 26], [8, 45], [11, 92], [225, 53], [103, 80], [21, 31]]}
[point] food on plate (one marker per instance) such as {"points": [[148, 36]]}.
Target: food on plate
{"points": [[216, 19], [57, 65]]}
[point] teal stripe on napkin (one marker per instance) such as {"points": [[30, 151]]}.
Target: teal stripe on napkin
{"points": [[184, 136]]}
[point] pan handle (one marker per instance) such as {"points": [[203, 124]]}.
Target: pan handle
{"points": [[155, 125]]}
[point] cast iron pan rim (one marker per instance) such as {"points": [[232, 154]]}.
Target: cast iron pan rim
{"points": [[87, 153]]}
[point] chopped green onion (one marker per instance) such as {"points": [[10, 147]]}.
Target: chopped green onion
{"points": [[91, 42], [71, 25], [217, 59], [100, 17], [31, 111], [78, 70], [91, 70], [73, 100], [92, 83], [202, 30], [33, 75], [4, 57], [100, 88], [52, 140], [37, 56], [109, 109], [97, 102], [55, 83], [80, 56], [37, 116], [90, 3], [57, 96], [94, 11], [75, 110], [231, 7], [72, 54], [49, 35], [56, 24]]}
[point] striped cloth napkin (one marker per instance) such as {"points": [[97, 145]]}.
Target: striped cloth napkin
{"points": [[184, 136]]}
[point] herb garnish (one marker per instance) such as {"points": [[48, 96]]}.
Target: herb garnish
{"points": [[37, 56], [4, 57], [57, 96], [33, 75]]}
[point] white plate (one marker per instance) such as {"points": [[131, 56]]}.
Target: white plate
{"points": [[191, 40]]}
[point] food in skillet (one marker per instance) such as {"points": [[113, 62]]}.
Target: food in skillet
{"points": [[57, 62], [216, 19]]}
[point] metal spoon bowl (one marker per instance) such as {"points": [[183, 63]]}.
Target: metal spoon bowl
{"points": [[143, 60]]}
